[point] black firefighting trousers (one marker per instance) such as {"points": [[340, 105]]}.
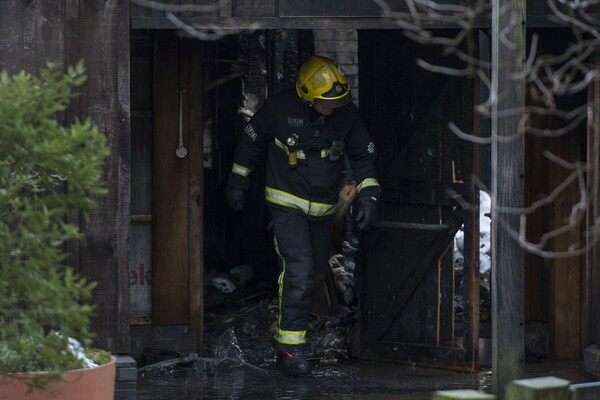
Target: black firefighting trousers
{"points": [[302, 247]]}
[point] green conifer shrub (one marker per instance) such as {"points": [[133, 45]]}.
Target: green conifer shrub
{"points": [[48, 173]]}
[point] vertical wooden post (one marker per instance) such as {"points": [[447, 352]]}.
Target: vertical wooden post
{"points": [[196, 193], [103, 44], [123, 132], [170, 187], [592, 289], [508, 50], [471, 275]]}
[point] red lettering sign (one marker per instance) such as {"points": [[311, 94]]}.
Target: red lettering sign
{"points": [[140, 276]]}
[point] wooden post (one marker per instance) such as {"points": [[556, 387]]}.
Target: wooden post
{"points": [[592, 289], [471, 278], [461, 395], [170, 186], [507, 191], [103, 43], [545, 388], [196, 192]]}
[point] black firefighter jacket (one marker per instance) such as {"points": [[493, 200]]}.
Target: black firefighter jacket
{"points": [[312, 186]]}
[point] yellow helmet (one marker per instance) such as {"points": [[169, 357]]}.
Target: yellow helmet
{"points": [[321, 78]]}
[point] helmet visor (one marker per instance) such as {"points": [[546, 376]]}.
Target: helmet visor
{"points": [[339, 95]]}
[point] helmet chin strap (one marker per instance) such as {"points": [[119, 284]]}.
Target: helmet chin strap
{"points": [[308, 103]]}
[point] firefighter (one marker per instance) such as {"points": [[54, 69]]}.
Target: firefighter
{"points": [[304, 134]]}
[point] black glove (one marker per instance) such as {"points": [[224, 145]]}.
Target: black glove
{"points": [[367, 213], [235, 198]]}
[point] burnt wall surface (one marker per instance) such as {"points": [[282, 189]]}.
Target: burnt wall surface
{"points": [[269, 61]]}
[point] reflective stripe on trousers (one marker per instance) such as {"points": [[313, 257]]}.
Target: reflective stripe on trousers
{"points": [[302, 247]]}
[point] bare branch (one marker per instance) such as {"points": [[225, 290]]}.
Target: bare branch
{"points": [[574, 22], [158, 5], [213, 33], [442, 69], [190, 30]]}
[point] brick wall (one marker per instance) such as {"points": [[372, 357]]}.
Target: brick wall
{"points": [[340, 45]]}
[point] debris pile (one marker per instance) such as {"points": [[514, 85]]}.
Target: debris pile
{"points": [[245, 311]]}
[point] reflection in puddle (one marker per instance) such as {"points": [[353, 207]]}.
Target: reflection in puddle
{"points": [[230, 376]]}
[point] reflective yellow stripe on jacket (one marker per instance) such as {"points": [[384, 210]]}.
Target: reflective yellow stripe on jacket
{"points": [[240, 170], [366, 183], [281, 198]]}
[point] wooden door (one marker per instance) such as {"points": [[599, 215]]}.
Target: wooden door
{"points": [[407, 269], [177, 220]]}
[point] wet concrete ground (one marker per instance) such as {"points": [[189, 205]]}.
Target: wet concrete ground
{"points": [[243, 368], [351, 380]]}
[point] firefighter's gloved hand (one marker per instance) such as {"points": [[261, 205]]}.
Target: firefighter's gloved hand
{"points": [[367, 213], [235, 198]]}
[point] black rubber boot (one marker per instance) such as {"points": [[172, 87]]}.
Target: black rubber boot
{"points": [[293, 362]]}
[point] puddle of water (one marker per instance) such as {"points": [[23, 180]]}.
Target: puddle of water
{"points": [[347, 381], [229, 376], [333, 382]]}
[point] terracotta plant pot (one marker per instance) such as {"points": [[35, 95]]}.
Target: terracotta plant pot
{"points": [[79, 384]]}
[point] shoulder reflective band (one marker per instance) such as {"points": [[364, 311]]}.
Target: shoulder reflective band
{"points": [[366, 183], [281, 198], [289, 337], [240, 170]]}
